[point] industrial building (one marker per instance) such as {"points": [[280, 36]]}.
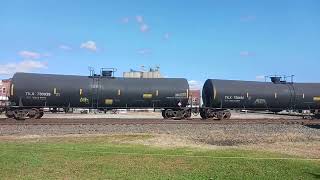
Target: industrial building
{"points": [[4, 92], [194, 98], [151, 73]]}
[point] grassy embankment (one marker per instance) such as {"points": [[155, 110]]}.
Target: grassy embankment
{"points": [[107, 157]]}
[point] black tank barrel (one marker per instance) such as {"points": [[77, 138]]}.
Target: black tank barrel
{"points": [[231, 94], [39, 90]]}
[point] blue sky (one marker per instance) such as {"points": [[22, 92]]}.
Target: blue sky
{"points": [[192, 39]]}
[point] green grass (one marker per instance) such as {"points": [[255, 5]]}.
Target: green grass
{"points": [[109, 158]]}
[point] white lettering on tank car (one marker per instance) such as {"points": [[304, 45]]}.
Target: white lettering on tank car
{"points": [[234, 97], [29, 93], [39, 94], [238, 97], [227, 97], [44, 94]]}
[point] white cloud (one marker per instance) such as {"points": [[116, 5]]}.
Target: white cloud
{"points": [[144, 28], [195, 84], [90, 45], [260, 77], [248, 18], [125, 20], [47, 55], [142, 25], [29, 54], [166, 36], [144, 51], [65, 47], [23, 66], [246, 54], [139, 19]]}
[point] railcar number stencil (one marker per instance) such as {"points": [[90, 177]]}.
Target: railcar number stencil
{"points": [[40, 94]]}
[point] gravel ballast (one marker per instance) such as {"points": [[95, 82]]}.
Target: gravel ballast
{"points": [[213, 133], [290, 139]]}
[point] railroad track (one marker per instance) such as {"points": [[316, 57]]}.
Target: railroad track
{"points": [[100, 121]]}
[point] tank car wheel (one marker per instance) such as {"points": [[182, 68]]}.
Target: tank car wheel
{"points": [[163, 113], [220, 115], [187, 114], [228, 115], [33, 113], [40, 114], [9, 114], [177, 115], [203, 114], [196, 112], [168, 113]]}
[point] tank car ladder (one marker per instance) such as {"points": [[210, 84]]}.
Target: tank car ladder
{"points": [[95, 92]]}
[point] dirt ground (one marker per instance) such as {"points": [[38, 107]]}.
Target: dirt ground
{"points": [[288, 139]]}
